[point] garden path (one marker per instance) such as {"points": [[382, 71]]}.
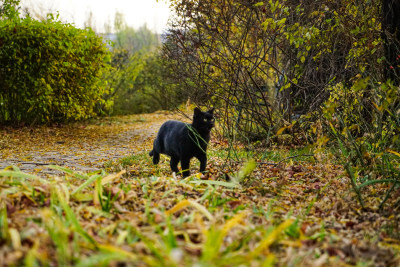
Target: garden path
{"points": [[80, 146]]}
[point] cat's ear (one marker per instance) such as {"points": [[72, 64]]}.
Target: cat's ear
{"points": [[197, 111], [211, 111]]}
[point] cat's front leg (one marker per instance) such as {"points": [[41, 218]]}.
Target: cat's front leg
{"points": [[185, 163], [203, 162]]}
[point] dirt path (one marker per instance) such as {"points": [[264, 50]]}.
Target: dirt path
{"points": [[81, 146]]}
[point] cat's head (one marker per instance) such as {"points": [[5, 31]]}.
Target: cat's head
{"points": [[203, 120]]}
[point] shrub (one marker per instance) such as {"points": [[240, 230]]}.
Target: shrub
{"points": [[365, 122], [49, 71]]}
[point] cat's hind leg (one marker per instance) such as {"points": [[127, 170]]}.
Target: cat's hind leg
{"points": [[155, 152], [174, 164]]}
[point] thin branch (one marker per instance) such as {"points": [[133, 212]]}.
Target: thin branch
{"points": [[291, 157]]}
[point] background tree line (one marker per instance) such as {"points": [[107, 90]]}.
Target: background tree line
{"points": [[140, 77]]}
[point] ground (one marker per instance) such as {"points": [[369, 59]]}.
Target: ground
{"points": [[106, 203], [80, 146]]}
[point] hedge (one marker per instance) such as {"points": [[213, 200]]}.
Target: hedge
{"points": [[49, 71]]}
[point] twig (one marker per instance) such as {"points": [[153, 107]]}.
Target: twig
{"points": [[268, 163], [291, 157], [34, 163]]}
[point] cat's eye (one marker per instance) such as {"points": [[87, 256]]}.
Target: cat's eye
{"points": [[205, 120]]}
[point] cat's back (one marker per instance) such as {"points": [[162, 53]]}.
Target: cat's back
{"points": [[171, 136], [172, 127]]}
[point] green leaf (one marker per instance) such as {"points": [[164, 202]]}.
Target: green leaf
{"points": [[86, 183], [72, 218], [23, 176], [282, 21], [247, 169]]}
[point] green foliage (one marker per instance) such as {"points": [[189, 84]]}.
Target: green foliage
{"points": [[124, 70], [155, 89], [49, 71], [365, 121], [150, 90], [9, 9], [140, 40], [139, 79], [3, 224]]}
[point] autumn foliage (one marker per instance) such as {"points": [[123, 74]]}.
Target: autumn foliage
{"points": [[304, 162], [315, 70]]}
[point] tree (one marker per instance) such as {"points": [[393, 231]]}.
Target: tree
{"points": [[269, 62], [391, 36], [139, 77], [9, 9]]}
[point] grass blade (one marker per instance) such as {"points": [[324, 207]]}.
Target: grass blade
{"points": [[4, 234], [86, 183], [111, 177], [68, 171], [378, 182], [24, 176], [72, 218], [271, 238], [184, 203], [215, 237]]}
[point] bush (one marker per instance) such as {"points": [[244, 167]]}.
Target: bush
{"points": [[49, 71], [364, 120]]}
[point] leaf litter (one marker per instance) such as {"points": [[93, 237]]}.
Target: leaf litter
{"points": [[91, 196]]}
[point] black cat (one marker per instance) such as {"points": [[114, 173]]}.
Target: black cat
{"points": [[182, 141]]}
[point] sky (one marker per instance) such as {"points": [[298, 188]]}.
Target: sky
{"points": [[137, 12]]}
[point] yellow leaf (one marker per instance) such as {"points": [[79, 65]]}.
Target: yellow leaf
{"points": [[271, 238], [184, 203], [109, 178], [379, 108], [233, 221], [181, 205], [393, 152], [269, 261], [98, 192], [15, 238], [280, 22], [117, 250], [280, 131]]}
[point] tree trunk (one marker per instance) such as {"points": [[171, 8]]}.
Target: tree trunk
{"points": [[391, 37]]}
